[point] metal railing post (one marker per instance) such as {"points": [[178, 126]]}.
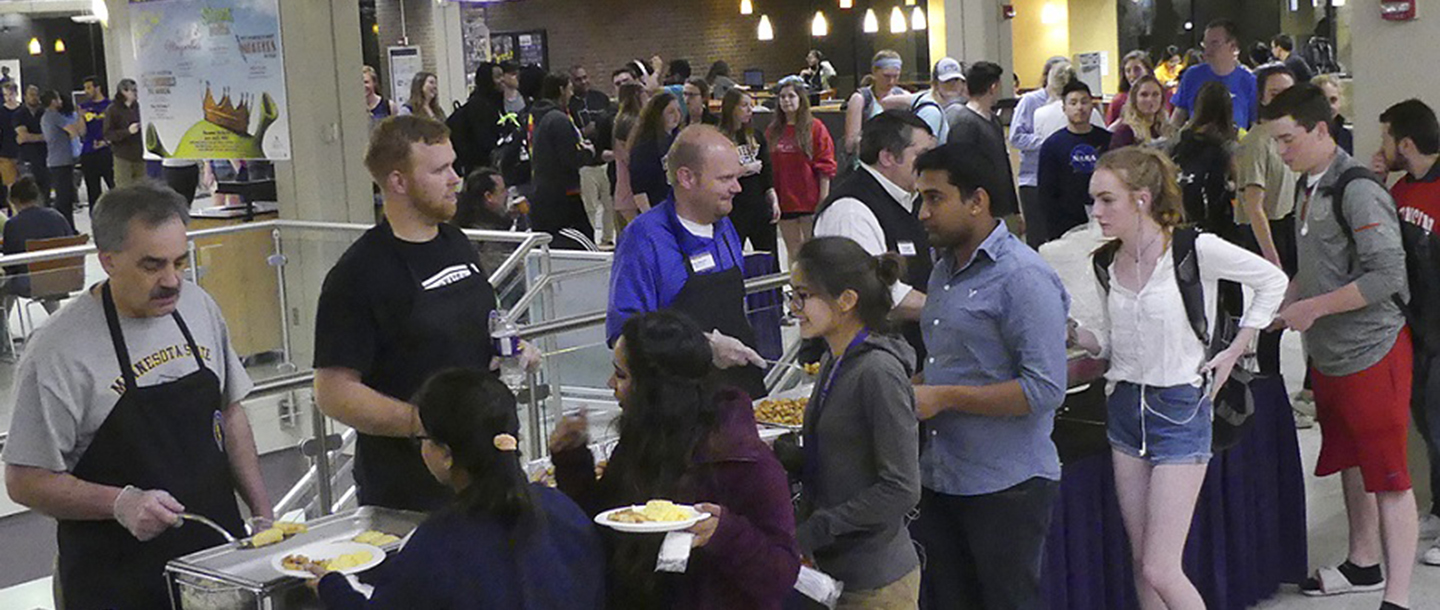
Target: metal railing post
{"points": [[277, 260], [322, 458]]}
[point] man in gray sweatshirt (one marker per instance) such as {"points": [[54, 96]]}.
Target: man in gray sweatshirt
{"points": [[1346, 301]]}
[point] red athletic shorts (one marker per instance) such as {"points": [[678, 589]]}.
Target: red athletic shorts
{"points": [[1364, 419]]}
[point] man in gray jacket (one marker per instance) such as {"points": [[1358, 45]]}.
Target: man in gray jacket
{"points": [[1346, 300]]}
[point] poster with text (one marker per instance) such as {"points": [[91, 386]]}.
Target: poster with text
{"points": [[212, 79]]}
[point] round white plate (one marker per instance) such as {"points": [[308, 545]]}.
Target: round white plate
{"points": [[330, 550], [657, 527]]}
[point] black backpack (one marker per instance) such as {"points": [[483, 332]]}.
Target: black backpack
{"points": [[1205, 183], [512, 148], [1422, 265], [1235, 403]]}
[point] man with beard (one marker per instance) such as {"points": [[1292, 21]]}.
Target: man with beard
{"points": [[406, 300], [127, 413]]}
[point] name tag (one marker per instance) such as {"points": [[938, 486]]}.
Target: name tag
{"points": [[702, 262], [907, 248]]}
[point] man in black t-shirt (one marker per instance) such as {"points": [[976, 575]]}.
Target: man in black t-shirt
{"points": [[407, 300]]}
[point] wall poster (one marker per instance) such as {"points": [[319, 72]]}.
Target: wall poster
{"points": [[405, 63], [525, 48], [212, 79]]}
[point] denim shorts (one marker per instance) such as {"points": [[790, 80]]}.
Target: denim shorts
{"points": [[1161, 425]]}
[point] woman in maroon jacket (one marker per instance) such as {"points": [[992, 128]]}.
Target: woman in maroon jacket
{"points": [[682, 439]]}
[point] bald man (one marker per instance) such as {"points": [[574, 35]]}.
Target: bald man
{"points": [[685, 255]]}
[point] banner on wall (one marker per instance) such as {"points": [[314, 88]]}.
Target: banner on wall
{"points": [[211, 79]]}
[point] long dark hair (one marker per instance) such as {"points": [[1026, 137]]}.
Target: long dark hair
{"points": [[1137, 55], [417, 97], [803, 120], [651, 126], [470, 209], [629, 97], [836, 264], [464, 410], [1214, 113], [730, 120], [671, 408], [485, 84]]}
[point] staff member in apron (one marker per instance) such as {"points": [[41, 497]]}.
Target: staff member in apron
{"points": [[406, 300], [685, 255], [127, 413]]}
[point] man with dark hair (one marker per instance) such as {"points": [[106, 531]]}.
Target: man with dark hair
{"points": [[1346, 300], [1222, 63], [96, 164], [975, 124], [1067, 159], [1282, 46], [695, 93], [684, 255], [594, 113], [994, 322], [1411, 143], [406, 300], [558, 154], [127, 413], [876, 208], [678, 73], [513, 101], [29, 221], [31, 137], [624, 75]]}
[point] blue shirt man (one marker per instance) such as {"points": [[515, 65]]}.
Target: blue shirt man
{"points": [[1221, 64], [994, 323]]}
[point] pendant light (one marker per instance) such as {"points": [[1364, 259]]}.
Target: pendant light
{"points": [[917, 19], [897, 21], [872, 23], [847, 3], [765, 31], [746, 7], [819, 27], [34, 46], [59, 45]]}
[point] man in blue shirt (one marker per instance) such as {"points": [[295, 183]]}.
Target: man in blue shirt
{"points": [[994, 324], [685, 255], [1222, 63]]}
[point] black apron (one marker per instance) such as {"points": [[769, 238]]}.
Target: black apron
{"points": [[447, 327], [166, 437], [716, 301]]}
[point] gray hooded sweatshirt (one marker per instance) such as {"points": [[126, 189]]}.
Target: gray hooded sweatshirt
{"points": [[862, 466]]}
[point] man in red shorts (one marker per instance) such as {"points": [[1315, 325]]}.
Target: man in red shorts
{"points": [[1411, 144], [1345, 302]]}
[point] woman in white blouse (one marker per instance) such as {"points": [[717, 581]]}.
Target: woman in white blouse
{"points": [[1159, 415]]}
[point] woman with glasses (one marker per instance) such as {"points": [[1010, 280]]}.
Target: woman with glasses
{"points": [[861, 473], [683, 439], [503, 542]]}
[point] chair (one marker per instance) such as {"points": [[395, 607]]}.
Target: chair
{"points": [[52, 280]]}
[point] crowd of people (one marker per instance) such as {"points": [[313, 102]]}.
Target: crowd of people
{"points": [[1225, 203]]}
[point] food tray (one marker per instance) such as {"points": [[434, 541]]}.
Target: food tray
{"points": [[800, 391], [250, 568]]}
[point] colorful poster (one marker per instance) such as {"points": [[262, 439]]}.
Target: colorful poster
{"points": [[212, 79]]}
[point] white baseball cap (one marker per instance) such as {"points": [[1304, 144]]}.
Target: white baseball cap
{"points": [[948, 69]]}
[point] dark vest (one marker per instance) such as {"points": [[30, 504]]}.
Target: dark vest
{"points": [[901, 228]]}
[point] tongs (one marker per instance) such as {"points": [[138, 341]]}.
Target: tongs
{"points": [[205, 521]]}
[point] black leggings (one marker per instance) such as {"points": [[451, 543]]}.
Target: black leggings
{"points": [[63, 177]]}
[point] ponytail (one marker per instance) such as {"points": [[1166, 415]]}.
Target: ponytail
{"points": [[473, 415]]}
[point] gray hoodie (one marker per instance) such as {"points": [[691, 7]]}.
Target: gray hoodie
{"points": [[862, 466]]}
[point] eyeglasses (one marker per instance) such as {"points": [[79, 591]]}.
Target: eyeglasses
{"points": [[796, 298]]}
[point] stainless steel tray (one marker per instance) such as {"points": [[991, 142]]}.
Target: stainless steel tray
{"points": [[252, 569], [801, 391]]}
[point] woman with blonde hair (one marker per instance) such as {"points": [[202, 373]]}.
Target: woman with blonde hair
{"points": [[375, 102], [1163, 376], [1135, 65], [802, 157], [424, 97], [1142, 120], [631, 97]]}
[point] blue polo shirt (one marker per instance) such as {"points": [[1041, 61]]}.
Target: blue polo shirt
{"points": [[998, 317], [1240, 82], [649, 266]]}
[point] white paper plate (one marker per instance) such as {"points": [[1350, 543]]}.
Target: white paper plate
{"points": [[651, 528], [330, 550]]}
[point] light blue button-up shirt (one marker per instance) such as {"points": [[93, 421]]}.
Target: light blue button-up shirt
{"points": [[999, 317]]}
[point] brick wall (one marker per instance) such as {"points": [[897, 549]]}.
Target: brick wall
{"points": [[604, 34], [419, 26]]}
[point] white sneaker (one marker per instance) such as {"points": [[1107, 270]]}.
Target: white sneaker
{"points": [[1432, 555], [1429, 526]]}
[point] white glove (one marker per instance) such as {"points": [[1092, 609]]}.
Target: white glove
{"points": [[729, 352], [146, 514]]}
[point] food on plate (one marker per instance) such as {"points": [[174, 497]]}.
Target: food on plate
{"points": [[811, 369], [267, 537], [655, 511], [375, 538], [277, 532], [783, 411], [344, 562]]}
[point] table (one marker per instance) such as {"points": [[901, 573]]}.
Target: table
{"points": [[1248, 535]]}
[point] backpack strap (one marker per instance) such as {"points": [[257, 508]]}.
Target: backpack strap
{"points": [[1337, 195], [1100, 261], [1187, 276]]}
